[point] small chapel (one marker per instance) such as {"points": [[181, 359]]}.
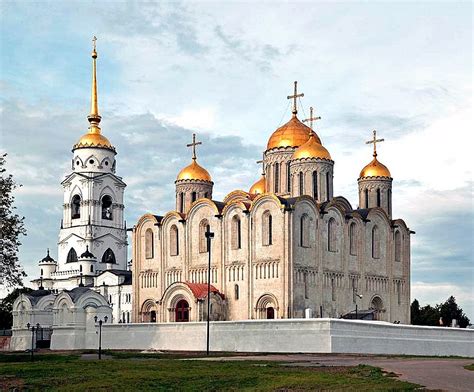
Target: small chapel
{"points": [[285, 248]]}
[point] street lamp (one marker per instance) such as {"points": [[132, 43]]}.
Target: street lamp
{"points": [[96, 319], [360, 297], [209, 236], [33, 330]]}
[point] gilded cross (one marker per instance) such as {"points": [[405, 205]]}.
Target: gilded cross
{"points": [[94, 40], [374, 141], [294, 97], [193, 145], [311, 118]]}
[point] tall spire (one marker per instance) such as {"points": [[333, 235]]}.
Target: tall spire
{"points": [[94, 117]]}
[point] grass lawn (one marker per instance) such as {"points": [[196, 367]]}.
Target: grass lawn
{"points": [[469, 367], [135, 372]]}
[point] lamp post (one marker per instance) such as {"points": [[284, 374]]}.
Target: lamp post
{"points": [[100, 322], [33, 330], [209, 236], [360, 297]]}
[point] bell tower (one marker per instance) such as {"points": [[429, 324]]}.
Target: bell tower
{"points": [[93, 209]]}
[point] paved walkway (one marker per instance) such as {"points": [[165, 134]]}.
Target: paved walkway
{"points": [[433, 373]]}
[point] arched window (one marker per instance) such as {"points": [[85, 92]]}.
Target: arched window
{"points": [[71, 256], [109, 257], [353, 239], [366, 196], [149, 246], [181, 202], [107, 207], [277, 177], [288, 177], [328, 188], [92, 268], [174, 241], [300, 183], [182, 311], [332, 235], [304, 231], [378, 198], [375, 242], [80, 268], [41, 272], [203, 227], [193, 196], [398, 246], [305, 280], [236, 233], [315, 184], [236, 291], [267, 229], [76, 207]]}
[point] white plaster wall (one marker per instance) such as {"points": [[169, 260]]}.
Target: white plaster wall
{"points": [[289, 336]]}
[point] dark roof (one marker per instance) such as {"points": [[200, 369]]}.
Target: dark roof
{"points": [[36, 295], [363, 212], [219, 204], [87, 254], [159, 218], [47, 259], [76, 292]]}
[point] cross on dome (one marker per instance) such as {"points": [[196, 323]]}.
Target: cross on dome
{"points": [[294, 97], [374, 141], [193, 145], [311, 119]]}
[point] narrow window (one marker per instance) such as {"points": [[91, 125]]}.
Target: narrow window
{"points": [[107, 207], [149, 244], [378, 197], [236, 291], [174, 241], [399, 293], [109, 257], [76, 207], [71, 256], [301, 185], [353, 239], [398, 246], [236, 235], [366, 196], [80, 268], [332, 240], [333, 290], [327, 186], [92, 268], [277, 177], [41, 271], [203, 228], [181, 202], [389, 201], [315, 185], [304, 231], [193, 197], [375, 243], [288, 177], [267, 229], [305, 278]]}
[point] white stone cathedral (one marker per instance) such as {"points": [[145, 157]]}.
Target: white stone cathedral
{"points": [[287, 248], [92, 246]]}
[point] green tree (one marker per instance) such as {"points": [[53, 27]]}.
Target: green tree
{"points": [[11, 228], [6, 307], [450, 310], [415, 312]]}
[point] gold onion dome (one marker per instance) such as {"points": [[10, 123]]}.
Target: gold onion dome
{"points": [[311, 149], [194, 172], [93, 138], [293, 134], [259, 187], [375, 169]]}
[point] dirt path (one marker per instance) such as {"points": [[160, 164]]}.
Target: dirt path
{"points": [[433, 373]]}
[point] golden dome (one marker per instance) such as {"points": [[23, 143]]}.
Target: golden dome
{"points": [[194, 172], [94, 138], [293, 134], [375, 169], [259, 187], [311, 149]]}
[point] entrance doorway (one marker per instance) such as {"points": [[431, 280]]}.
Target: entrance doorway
{"points": [[153, 316], [270, 313], [182, 311]]}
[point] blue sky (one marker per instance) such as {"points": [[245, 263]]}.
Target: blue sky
{"points": [[224, 70]]}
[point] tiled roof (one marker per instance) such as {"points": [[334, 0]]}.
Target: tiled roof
{"points": [[200, 289]]}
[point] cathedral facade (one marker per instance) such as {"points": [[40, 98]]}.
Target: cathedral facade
{"points": [[287, 248]]}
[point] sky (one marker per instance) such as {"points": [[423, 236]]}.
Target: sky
{"points": [[224, 70]]}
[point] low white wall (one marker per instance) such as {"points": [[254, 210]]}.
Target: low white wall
{"points": [[284, 335]]}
